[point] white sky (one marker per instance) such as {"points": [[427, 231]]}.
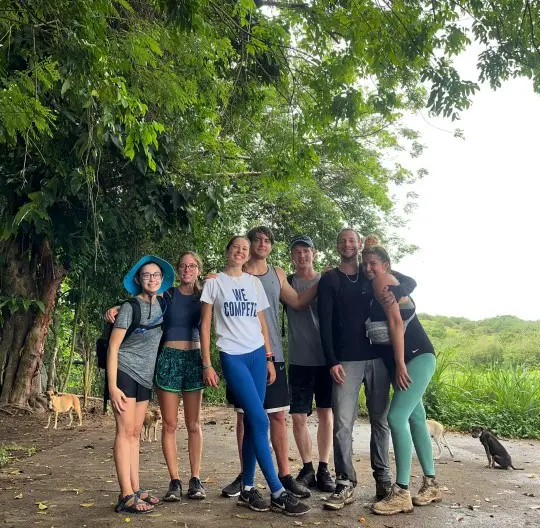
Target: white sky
{"points": [[477, 220]]}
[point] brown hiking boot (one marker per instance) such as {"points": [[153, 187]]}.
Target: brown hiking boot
{"points": [[429, 492], [397, 501]]}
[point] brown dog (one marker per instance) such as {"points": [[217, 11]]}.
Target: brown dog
{"points": [[151, 419], [62, 403], [436, 431]]}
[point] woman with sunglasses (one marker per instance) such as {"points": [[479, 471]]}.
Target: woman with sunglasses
{"points": [[179, 371]]}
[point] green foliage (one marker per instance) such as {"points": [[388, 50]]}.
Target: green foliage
{"points": [[11, 452]]}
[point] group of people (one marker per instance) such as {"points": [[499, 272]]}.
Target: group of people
{"points": [[352, 325]]}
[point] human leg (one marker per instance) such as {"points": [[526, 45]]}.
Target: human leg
{"points": [[377, 384], [168, 403]]}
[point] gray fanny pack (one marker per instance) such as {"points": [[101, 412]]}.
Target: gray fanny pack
{"points": [[379, 333]]}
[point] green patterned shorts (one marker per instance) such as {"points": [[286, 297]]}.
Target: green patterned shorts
{"points": [[179, 370]]}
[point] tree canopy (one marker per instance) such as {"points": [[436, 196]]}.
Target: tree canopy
{"points": [[135, 125]]}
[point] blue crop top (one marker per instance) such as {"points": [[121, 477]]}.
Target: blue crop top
{"points": [[182, 318]]}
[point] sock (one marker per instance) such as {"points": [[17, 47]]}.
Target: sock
{"points": [[248, 488], [285, 477], [430, 476], [323, 466], [278, 493], [308, 466], [402, 486]]}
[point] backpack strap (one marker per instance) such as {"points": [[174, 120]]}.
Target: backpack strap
{"points": [[284, 306], [136, 316]]}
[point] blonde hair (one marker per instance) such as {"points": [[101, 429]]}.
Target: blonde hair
{"points": [[197, 288], [374, 240]]}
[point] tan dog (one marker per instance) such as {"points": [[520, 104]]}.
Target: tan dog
{"points": [[436, 431], [62, 403], [151, 419]]}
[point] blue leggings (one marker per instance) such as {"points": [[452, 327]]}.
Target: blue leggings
{"points": [[246, 378]]}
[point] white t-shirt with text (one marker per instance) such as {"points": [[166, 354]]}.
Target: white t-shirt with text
{"points": [[236, 301]]}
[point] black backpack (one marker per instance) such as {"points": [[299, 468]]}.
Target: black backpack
{"points": [[102, 344]]}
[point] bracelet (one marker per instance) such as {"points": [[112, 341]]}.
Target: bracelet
{"points": [[271, 358], [206, 366]]}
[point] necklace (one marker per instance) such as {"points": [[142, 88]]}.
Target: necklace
{"points": [[355, 280]]}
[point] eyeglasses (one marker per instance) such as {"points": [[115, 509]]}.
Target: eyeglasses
{"points": [[147, 276], [190, 267]]}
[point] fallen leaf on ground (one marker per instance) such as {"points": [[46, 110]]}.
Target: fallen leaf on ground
{"points": [[487, 499], [529, 494], [86, 504], [298, 523], [261, 486], [362, 520], [455, 506], [41, 506], [19, 496], [208, 480], [316, 523], [127, 519], [532, 475], [443, 488], [240, 516], [473, 506], [460, 517], [154, 514], [291, 458], [535, 507]]}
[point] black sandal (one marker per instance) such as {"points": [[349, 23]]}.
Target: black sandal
{"points": [[149, 497], [122, 505]]}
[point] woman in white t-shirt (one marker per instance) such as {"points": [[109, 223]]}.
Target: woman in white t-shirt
{"points": [[237, 301]]}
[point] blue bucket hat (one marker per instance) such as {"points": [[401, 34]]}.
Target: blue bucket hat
{"points": [[168, 275]]}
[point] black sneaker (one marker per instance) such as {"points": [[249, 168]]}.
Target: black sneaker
{"points": [[253, 500], [294, 487], [196, 489], [342, 495], [234, 488], [306, 478], [324, 481], [174, 493], [288, 505], [382, 489]]}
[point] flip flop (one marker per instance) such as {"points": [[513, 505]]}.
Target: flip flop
{"points": [[122, 505], [149, 499]]}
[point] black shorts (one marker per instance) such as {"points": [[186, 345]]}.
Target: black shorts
{"points": [[306, 382], [277, 394], [131, 388]]}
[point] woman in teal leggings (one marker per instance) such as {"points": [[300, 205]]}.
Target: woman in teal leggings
{"points": [[402, 343]]}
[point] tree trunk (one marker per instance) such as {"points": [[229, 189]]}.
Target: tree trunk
{"points": [[73, 346], [51, 374], [51, 277]]}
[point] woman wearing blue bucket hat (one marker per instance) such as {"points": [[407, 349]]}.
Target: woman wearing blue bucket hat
{"points": [[131, 361]]}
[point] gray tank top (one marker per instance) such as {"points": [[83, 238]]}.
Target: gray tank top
{"points": [[272, 288]]}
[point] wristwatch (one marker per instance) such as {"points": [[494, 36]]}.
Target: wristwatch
{"points": [[272, 359]]}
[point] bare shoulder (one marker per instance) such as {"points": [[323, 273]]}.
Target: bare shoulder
{"points": [[281, 274], [382, 281]]}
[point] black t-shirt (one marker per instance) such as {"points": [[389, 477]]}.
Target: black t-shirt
{"points": [[344, 306]]}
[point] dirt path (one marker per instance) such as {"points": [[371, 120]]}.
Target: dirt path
{"points": [[73, 476]]}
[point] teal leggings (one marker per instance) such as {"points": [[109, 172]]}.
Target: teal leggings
{"points": [[407, 420]]}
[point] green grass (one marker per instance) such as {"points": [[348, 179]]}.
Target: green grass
{"points": [[11, 453], [504, 397]]}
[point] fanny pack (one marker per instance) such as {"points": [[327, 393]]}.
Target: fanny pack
{"points": [[379, 333]]}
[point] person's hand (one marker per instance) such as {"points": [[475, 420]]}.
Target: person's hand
{"points": [[210, 276], [118, 399], [387, 298], [338, 374], [403, 380], [210, 377], [271, 369], [111, 313]]}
